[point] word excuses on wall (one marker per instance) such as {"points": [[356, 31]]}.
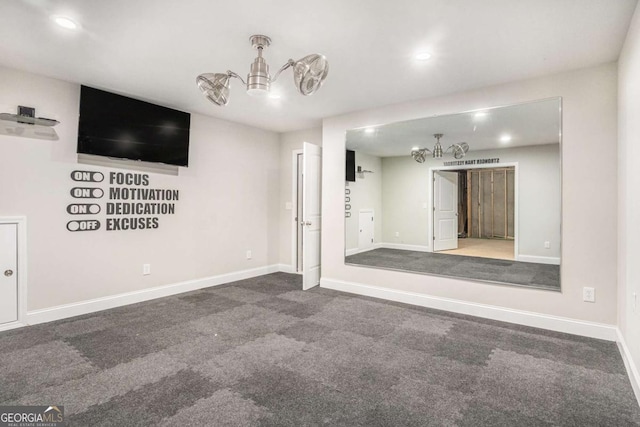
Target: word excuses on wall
{"points": [[130, 204]]}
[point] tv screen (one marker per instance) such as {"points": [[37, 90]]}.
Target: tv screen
{"points": [[116, 126], [351, 166]]}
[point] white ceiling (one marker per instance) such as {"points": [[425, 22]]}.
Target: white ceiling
{"points": [[154, 49], [533, 123]]}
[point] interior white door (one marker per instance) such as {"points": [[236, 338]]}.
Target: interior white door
{"points": [[311, 215], [445, 211], [8, 273], [365, 223]]}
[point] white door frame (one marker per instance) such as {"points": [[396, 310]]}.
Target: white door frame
{"points": [[467, 167], [21, 224], [294, 208]]}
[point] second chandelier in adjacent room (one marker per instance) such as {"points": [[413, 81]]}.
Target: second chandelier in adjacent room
{"points": [[458, 150]]}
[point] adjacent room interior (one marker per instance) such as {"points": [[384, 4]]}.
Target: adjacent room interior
{"points": [[254, 220], [496, 203]]}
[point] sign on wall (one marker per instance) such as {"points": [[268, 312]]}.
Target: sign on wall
{"points": [[472, 162], [128, 202]]}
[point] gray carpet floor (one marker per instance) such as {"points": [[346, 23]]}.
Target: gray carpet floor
{"points": [[263, 352], [529, 274]]}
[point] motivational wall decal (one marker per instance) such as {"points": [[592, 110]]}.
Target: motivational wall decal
{"points": [[84, 176], [131, 204], [472, 162], [83, 225], [83, 208], [87, 193]]}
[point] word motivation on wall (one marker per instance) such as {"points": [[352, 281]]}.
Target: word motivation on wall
{"points": [[130, 202]]}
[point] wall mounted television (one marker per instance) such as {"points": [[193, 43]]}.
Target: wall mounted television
{"points": [[119, 127], [351, 166]]}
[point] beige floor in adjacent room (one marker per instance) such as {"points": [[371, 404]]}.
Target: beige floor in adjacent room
{"points": [[484, 248]]}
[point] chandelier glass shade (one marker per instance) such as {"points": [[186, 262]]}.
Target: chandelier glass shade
{"points": [[457, 150], [309, 73]]}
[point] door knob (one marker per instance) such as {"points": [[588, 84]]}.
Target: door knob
{"points": [[8, 273]]}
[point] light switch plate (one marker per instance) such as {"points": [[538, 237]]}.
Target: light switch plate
{"points": [[589, 294]]}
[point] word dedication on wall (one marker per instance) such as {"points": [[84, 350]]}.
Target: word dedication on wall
{"points": [[117, 202]]}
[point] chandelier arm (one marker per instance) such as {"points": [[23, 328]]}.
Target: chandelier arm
{"points": [[459, 146], [458, 150], [236, 75], [289, 63]]}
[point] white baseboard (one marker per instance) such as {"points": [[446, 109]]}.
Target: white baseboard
{"points": [[417, 248], [104, 303], [536, 320], [632, 369], [354, 251], [11, 325], [286, 268], [539, 259]]}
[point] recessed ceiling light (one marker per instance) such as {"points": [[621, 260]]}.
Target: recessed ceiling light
{"points": [[65, 22], [415, 148], [274, 96], [480, 115], [423, 56], [505, 138], [370, 130]]}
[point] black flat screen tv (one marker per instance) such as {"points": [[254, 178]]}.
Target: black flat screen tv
{"points": [[125, 128], [351, 166]]}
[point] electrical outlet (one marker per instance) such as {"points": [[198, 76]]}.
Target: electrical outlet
{"points": [[397, 234], [547, 245], [288, 206], [589, 294], [635, 301], [424, 205], [248, 254], [146, 269]]}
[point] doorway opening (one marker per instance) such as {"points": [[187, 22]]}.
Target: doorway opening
{"points": [[475, 211]]}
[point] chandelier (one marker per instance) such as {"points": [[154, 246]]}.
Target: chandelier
{"points": [[308, 75], [458, 150]]}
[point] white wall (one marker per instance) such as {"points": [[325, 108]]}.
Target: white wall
{"points": [[629, 190], [365, 193], [589, 129], [289, 142], [405, 186], [228, 205], [405, 190]]}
